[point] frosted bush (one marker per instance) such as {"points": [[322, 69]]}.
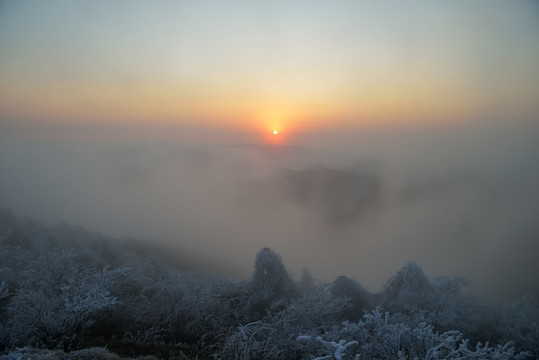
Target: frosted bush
{"points": [[379, 338], [519, 322], [337, 349], [45, 313], [92, 353]]}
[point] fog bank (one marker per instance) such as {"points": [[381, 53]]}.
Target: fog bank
{"points": [[459, 200]]}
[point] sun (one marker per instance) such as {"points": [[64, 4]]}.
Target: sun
{"points": [[275, 132]]}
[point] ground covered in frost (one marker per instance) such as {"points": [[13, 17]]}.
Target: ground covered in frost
{"points": [[66, 293]]}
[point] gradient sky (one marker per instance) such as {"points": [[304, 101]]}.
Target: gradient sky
{"points": [[265, 65]]}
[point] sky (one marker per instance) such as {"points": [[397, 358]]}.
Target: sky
{"points": [[407, 131], [251, 67]]}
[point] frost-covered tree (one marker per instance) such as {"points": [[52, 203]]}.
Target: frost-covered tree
{"points": [[271, 286], [360, 299], [408, 290], [410, 278], [307, 281]]}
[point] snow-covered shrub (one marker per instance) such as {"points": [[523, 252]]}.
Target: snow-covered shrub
{"points": [[134, 312], [56, 303], [315, 311], [379, 337], [519, 322], [4, 290], [91, 353], [206, 310], [273, 337], [336, 349], [256, 340]]}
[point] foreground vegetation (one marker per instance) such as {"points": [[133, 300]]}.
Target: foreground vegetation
{"points": [[66, 293]]}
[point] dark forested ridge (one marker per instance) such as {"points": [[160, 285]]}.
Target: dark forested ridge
{"points": [[66, 293]]}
